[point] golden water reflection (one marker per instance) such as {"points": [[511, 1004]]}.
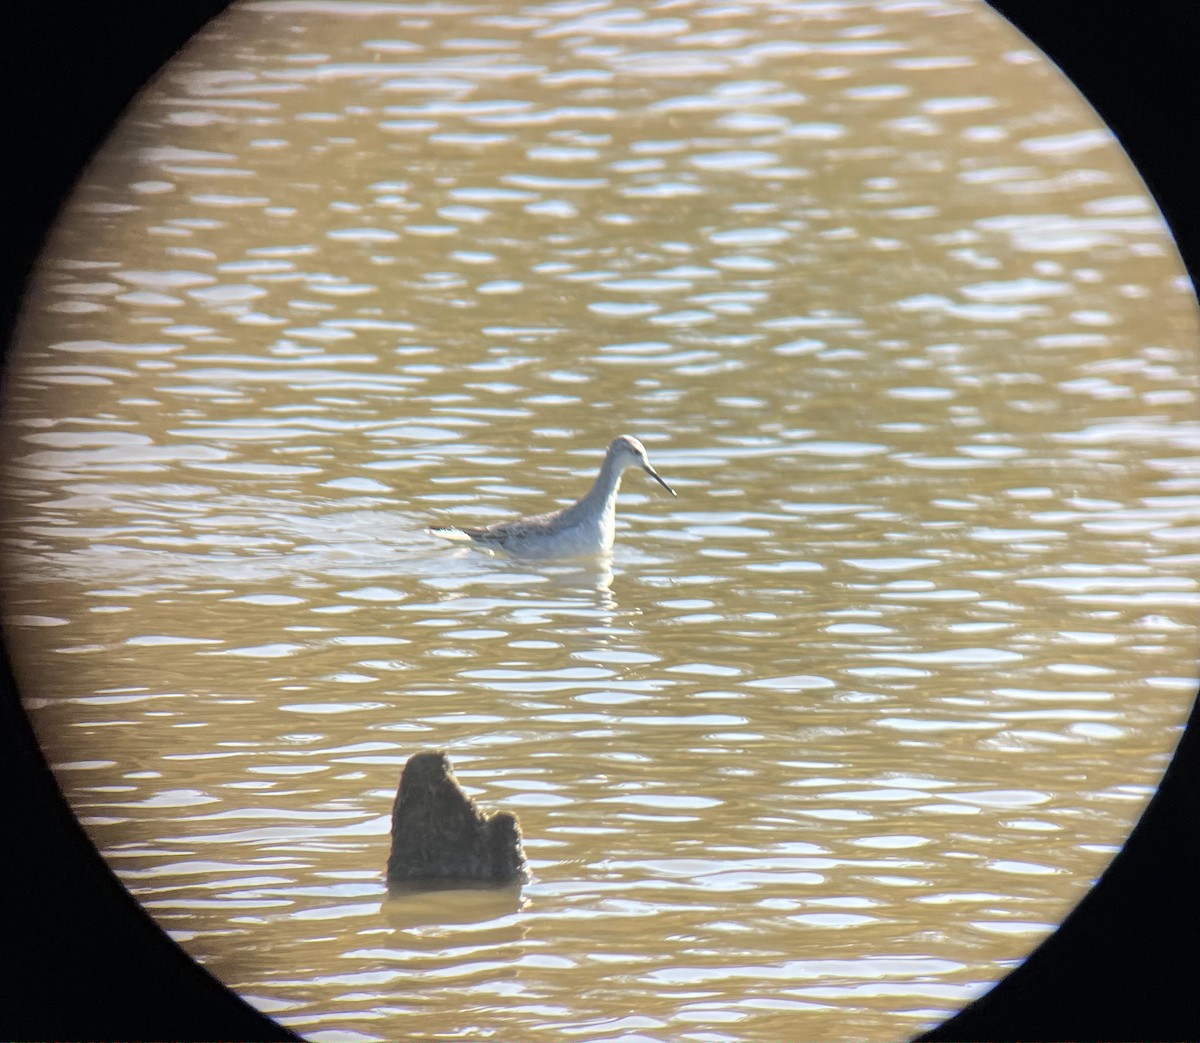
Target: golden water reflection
{"points": [[837, 736]]}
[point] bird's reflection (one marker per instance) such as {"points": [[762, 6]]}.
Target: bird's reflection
{"points": [[590, 577]]}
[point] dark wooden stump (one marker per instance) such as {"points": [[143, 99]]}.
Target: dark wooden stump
{"points": [[440, 837]]}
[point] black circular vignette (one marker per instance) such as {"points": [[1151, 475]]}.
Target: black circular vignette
{"points": [[1124, 963], [82, 961]]}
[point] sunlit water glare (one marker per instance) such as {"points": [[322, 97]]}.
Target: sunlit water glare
{"points": [[837, 736]]}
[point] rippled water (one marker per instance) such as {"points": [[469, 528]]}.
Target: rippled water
{"points": [[837, 736]]}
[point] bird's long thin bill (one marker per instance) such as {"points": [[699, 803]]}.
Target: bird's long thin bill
{"points": [[658, 478]]}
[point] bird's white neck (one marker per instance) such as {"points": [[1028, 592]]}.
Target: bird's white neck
{"points": [[604, 489]]}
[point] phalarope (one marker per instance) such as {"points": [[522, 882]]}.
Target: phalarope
{"points": [[585, 527]]}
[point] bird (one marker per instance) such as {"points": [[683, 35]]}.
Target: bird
{"points": [[583, 528]]}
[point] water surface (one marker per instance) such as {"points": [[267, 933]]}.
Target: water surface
{"points": [[837, 736]]}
